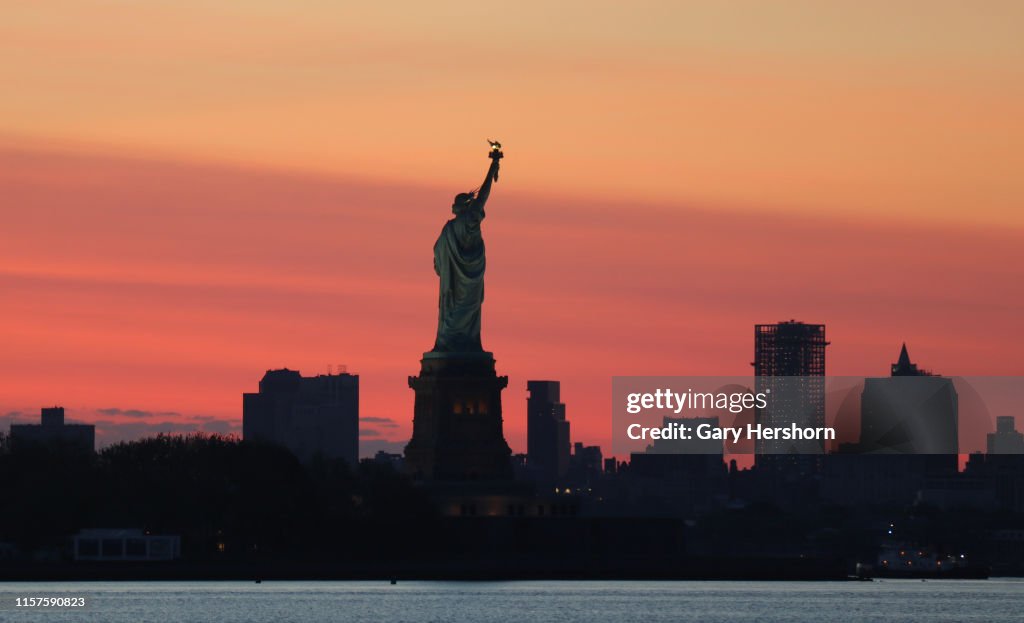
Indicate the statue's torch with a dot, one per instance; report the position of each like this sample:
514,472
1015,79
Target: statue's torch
495,154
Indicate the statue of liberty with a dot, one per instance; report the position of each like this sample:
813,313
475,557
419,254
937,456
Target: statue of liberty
459,261
457,423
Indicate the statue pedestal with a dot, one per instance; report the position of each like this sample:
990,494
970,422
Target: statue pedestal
457,426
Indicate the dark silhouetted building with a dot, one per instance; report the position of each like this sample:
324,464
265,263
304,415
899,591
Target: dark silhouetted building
53,431
547,431
587,457
308,415
911,412
678,475
857,480
905,367
1007,439
1005,472
585,464
908,431
393,459
693,456
610,465
789,365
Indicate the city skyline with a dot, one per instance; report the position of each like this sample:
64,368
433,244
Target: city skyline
228,304
183,214
903,367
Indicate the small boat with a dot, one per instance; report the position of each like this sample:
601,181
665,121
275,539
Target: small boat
901,559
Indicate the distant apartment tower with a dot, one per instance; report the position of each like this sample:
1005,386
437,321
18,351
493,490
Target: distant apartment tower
308,415
1007,439
547,431
54,432
586,460
911,412
789,365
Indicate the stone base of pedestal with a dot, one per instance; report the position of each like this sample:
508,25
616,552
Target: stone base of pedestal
457,426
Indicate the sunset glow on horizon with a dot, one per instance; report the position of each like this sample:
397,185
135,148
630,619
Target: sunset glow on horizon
193,195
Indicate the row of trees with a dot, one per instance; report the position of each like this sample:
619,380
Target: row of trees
225,497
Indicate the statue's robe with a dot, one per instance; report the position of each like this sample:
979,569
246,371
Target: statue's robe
459,262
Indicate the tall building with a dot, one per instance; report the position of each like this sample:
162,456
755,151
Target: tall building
789,365
1007,439
911,412
547,431
53,431
308,415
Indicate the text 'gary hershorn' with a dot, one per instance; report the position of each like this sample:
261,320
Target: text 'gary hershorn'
681,430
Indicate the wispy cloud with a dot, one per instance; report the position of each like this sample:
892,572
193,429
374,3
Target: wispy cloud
384,422
136,413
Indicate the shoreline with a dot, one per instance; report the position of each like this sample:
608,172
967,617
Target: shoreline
690,569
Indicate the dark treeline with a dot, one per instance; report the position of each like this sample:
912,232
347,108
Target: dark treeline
226,498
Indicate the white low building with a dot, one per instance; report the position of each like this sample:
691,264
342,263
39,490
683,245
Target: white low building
112,544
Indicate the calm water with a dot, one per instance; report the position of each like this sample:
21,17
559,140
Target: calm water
888,601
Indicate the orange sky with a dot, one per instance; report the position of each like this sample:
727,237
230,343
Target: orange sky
191,195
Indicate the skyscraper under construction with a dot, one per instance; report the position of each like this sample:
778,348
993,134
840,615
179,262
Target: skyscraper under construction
789,365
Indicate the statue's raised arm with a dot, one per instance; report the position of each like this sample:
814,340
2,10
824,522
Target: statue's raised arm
492,175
